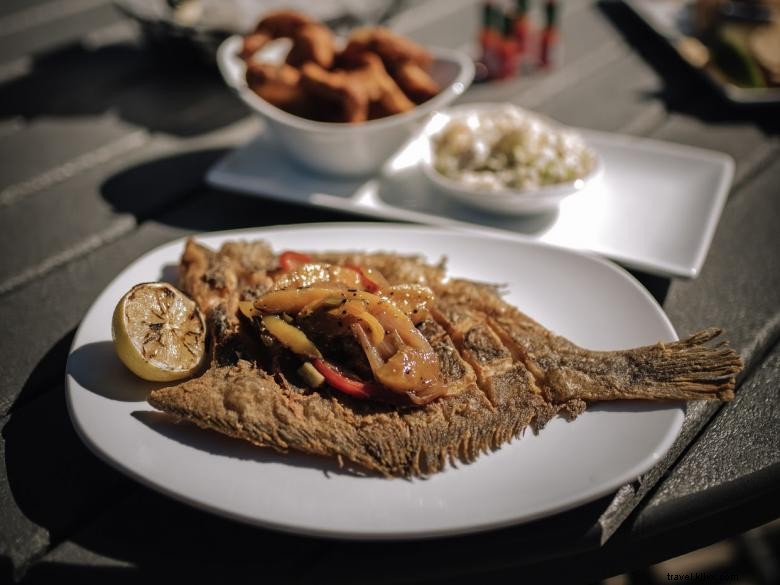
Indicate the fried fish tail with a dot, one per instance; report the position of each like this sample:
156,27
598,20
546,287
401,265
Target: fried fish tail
688,369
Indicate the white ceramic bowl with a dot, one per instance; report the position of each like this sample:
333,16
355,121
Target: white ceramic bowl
504,201
345,149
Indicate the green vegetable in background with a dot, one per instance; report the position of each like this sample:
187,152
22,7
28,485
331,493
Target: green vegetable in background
731,55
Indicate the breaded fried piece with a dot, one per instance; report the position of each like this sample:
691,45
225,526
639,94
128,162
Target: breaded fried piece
404,61
260,73
279,85
378,74
393,49
312,42
226,276
338,89
384,96
276,25
252,44
415,82
282,23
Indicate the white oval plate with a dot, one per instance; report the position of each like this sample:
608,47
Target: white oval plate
590,301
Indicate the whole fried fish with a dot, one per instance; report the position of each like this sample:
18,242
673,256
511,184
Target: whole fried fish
503,371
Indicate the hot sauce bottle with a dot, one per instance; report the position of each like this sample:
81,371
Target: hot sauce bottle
490,41
508,51
549,45
522,31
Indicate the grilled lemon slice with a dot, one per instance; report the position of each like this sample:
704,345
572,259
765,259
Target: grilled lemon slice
159,333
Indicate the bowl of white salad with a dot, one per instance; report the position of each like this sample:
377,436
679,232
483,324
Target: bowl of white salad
505,159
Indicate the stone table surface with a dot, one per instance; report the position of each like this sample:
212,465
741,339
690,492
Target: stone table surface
105,139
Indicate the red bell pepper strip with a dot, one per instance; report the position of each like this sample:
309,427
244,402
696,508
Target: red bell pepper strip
356,388
340,382
371,285
290,260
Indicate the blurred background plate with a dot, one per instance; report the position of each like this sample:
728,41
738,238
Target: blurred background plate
204,24
673,21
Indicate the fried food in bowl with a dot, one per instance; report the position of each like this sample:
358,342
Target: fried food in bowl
338,106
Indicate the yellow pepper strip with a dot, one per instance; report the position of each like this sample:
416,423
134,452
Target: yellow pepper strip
290,300
357,309
290,336
247,308
322,303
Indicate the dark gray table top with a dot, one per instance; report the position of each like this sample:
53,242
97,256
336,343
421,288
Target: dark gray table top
104,143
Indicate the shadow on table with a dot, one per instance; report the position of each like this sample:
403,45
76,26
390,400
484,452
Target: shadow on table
154,187
656,285
684,91
171,190
172,93
47,372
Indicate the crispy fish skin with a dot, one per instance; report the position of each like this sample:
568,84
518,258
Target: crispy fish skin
397,269
217,282
505,372
245,402
681,370
239,271
457,374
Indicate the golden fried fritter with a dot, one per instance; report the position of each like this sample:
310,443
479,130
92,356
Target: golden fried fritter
415,82
392,48
279,85
378,74
350,99
313,42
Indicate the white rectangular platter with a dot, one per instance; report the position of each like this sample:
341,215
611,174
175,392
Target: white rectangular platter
655,207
